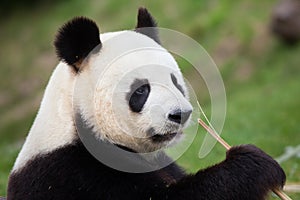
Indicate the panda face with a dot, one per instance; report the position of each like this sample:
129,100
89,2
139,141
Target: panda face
129,89
139,100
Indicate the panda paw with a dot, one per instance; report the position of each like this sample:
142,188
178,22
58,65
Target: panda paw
259,167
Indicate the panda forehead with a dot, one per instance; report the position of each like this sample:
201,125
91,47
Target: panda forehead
132,50
150,62
144,60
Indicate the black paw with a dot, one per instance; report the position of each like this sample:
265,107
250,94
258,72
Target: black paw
256,166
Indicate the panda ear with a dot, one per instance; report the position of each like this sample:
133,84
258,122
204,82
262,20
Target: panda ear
146,24
75,40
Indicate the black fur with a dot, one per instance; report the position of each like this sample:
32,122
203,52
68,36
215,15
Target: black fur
138,94
76,39
177,85
147,25
73,173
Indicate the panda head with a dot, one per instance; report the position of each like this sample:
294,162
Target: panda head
128,88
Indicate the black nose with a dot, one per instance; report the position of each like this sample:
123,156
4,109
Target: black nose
179,116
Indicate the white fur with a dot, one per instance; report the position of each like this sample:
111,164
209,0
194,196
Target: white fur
53,126
100,91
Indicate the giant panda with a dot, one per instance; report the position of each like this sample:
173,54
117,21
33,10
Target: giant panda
55,164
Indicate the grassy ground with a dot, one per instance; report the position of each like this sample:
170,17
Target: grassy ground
261,75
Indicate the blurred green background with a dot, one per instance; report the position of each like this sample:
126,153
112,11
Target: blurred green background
261,75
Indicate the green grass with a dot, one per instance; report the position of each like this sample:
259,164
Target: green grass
261,75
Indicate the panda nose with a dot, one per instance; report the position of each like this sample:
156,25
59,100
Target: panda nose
179,116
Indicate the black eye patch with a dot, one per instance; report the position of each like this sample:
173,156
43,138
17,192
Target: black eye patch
139,92
177,85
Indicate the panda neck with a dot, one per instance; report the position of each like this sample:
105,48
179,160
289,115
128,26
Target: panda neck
53,126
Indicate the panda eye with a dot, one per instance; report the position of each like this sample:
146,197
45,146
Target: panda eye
141,90
177,85
138,98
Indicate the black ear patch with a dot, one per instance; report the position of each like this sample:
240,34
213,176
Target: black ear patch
76,39
144,23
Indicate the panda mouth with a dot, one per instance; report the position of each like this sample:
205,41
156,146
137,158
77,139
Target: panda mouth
164,137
